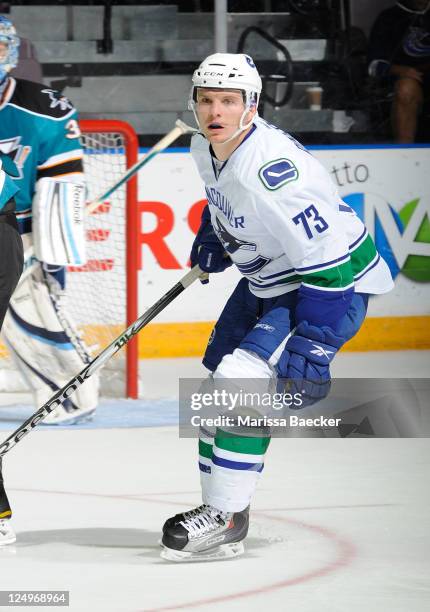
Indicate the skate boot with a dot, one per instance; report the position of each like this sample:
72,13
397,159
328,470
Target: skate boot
7,534
208,535
182,516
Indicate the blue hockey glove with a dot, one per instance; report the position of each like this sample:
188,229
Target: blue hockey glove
306,361
207,251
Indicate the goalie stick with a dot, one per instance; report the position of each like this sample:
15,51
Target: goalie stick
119,342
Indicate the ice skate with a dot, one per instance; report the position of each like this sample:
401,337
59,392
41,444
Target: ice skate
7,534
207,535
182,516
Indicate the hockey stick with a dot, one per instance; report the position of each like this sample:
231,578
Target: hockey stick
78,380
179,129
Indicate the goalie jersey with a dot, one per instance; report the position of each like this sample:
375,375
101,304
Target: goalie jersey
8,190
40,132
281,220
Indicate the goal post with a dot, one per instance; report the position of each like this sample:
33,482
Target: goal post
110,148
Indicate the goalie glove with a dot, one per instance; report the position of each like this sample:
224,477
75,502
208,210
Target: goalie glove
306,359
207,251
58,222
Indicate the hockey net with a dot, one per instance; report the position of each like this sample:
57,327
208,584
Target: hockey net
101,296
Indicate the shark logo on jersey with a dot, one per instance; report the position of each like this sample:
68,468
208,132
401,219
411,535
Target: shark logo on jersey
57,99
229,242
17,152
277,173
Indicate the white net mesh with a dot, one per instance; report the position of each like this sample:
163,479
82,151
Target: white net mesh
96,292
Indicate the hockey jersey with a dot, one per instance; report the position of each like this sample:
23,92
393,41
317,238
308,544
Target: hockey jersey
40,132
280,218
8,188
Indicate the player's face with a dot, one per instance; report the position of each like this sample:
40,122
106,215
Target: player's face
219,112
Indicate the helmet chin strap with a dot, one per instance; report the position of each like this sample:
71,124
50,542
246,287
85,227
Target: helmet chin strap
241,127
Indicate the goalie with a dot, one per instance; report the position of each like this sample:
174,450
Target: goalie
40,132
10,270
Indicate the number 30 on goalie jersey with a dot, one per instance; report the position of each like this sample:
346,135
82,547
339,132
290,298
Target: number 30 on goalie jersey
58,222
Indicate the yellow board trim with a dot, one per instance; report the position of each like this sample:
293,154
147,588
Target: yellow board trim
376,334
189,339
6,514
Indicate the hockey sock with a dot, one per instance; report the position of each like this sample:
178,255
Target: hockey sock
236,464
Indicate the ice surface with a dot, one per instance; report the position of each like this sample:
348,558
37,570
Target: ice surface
336,524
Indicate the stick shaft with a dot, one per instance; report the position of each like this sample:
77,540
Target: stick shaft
117,344
180,128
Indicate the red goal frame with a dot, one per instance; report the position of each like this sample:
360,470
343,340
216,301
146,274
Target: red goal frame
131,145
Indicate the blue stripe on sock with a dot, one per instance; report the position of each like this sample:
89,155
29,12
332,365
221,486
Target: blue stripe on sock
237,465
204,468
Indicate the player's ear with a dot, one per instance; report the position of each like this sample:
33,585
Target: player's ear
251,114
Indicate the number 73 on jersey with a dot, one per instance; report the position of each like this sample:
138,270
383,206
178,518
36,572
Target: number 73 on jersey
311,221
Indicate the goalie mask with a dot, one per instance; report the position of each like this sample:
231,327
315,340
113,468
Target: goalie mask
228,71
9,47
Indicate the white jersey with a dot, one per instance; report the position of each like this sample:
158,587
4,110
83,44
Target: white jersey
280,218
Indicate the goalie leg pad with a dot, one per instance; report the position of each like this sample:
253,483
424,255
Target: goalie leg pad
47,347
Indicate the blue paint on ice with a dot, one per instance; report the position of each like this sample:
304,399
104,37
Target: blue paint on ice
111,413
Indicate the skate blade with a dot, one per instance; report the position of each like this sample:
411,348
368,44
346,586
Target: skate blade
225,551
7,541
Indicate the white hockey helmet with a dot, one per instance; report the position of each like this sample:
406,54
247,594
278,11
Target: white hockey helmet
228,71
8,36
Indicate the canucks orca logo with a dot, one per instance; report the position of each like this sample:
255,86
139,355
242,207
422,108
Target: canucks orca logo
18,153
233,244
229,242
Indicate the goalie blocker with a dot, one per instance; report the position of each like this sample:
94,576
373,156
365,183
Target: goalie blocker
58,222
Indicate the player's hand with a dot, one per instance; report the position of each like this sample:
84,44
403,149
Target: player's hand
305,362
207,251
407,72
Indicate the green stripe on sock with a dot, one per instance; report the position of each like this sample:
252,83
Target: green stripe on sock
241,444
205,450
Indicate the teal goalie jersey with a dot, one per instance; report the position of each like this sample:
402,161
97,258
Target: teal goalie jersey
40,133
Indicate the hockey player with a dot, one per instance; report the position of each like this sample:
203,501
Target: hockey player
308,264
40,132
11,261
